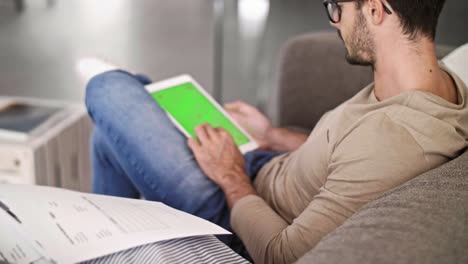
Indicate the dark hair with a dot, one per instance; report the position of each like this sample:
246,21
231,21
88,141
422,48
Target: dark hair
416,16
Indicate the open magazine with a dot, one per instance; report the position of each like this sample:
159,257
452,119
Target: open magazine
51,225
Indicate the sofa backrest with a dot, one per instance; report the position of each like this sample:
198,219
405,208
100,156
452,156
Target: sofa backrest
313,72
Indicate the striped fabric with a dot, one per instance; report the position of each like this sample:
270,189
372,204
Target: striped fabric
199,250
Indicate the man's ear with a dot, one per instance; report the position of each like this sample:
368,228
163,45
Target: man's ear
375,11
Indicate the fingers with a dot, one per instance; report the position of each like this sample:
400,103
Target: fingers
237,116
206,133
223,133
194,145
220,131
201,133
211,142
238,106
233,104
212,133
237,110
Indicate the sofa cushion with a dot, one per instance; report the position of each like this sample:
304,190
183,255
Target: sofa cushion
422,221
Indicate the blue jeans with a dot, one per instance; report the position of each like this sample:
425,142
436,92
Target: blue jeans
137,151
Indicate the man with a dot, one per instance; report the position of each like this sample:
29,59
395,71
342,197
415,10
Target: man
412,119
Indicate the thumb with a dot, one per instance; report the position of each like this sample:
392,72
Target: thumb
236,105
237,116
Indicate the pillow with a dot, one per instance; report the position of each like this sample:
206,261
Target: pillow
457,61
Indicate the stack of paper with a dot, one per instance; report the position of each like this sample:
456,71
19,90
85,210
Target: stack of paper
47,225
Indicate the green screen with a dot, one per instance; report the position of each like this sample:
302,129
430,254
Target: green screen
190,108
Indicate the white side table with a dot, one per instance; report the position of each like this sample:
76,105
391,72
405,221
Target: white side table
54,154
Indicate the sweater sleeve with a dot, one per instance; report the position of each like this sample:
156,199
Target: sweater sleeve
375,156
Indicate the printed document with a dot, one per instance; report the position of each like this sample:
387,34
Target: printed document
56,225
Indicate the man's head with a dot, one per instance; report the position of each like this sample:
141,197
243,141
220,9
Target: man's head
363,24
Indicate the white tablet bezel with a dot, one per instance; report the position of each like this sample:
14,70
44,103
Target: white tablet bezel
181,79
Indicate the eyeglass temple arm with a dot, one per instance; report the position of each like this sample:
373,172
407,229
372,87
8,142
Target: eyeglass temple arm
388,11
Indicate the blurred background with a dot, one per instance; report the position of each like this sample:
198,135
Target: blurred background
231,47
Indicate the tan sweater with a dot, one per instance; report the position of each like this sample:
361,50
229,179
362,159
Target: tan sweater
355,153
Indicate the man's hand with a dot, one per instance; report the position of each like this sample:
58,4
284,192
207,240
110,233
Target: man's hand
261,129
254,122
220,159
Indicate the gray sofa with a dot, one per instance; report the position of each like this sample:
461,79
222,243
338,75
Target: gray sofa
422,221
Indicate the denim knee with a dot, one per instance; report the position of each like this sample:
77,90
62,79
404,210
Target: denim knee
107,88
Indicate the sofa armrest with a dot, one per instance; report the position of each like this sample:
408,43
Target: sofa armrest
421,221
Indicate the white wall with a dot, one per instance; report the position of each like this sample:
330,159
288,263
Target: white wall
41,46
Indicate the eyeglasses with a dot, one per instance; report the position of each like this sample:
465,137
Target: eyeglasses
334,10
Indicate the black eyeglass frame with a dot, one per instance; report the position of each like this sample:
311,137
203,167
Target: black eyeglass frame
338,7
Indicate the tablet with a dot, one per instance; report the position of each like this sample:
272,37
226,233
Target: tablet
189,105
